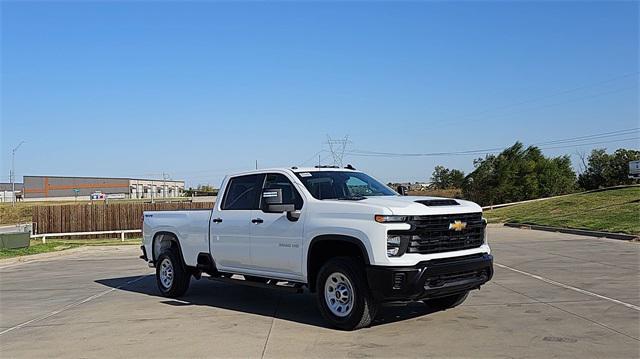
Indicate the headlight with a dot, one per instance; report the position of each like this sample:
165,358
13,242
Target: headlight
389,219
397,244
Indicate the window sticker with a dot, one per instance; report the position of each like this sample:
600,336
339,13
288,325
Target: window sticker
305,174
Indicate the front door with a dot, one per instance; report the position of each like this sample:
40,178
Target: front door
276,244
231,225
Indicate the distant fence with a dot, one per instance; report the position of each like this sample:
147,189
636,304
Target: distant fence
100,217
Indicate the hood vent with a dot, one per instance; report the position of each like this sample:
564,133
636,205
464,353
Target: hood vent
439,202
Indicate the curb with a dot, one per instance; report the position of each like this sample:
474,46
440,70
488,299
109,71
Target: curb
502,205
581,232
13,261
39,256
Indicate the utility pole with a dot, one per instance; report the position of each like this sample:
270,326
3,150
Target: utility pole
337,148
165,176
13,172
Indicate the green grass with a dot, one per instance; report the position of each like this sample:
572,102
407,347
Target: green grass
615,210
59,245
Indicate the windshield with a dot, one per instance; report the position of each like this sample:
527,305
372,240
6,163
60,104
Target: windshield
342,185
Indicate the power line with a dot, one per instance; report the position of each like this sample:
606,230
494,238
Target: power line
498,149
529,109
592,143
543,97
312,158
590,137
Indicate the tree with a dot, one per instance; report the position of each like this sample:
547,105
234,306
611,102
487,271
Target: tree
606,170
444,178
201,190
517,174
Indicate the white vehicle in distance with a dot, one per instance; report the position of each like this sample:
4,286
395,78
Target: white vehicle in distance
98,196
338,232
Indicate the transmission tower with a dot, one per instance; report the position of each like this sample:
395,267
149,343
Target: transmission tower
337,148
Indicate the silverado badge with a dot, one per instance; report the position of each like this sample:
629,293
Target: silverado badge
458,226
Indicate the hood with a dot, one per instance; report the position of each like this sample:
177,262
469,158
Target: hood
409,205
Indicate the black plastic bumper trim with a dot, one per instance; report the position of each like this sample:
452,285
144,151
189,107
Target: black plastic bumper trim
430,279
144,254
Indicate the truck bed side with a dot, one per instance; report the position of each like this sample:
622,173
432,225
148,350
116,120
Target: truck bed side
190,227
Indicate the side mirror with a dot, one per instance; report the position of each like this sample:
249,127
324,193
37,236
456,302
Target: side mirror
402,190
272,201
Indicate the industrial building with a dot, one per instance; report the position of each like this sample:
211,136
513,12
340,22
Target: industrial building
7,193
61,188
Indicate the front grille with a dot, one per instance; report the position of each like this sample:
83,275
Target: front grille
431,234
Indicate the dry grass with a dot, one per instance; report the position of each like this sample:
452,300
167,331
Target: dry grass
21,212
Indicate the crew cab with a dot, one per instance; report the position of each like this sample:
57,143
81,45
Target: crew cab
338,232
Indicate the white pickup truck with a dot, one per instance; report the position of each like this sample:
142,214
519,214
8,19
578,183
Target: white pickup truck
340,233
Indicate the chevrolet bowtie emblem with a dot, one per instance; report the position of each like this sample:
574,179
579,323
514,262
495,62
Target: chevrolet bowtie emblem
458,226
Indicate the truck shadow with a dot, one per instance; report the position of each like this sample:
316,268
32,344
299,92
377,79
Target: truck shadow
299,308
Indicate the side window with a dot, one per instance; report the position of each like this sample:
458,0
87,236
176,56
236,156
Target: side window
289,193
242,193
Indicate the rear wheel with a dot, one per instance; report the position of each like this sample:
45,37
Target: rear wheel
447,302
343,295
171,276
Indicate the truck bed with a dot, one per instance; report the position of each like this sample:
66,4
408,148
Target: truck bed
191,226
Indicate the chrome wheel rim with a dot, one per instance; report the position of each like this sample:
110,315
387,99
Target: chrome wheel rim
339,294
166,273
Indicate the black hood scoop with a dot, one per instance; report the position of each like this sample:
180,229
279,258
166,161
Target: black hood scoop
439,202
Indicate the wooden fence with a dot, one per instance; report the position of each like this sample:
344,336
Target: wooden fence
100,217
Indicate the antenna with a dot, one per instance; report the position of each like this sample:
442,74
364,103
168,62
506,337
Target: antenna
337,148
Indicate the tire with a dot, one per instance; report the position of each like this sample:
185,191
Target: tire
447,302
343,294
171,277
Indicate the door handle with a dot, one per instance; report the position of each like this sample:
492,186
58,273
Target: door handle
217,220
257,220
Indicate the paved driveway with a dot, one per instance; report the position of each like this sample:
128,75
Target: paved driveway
553,295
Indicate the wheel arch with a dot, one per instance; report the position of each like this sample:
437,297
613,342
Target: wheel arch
326,246
165,239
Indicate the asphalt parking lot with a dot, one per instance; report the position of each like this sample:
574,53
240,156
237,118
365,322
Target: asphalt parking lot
553,295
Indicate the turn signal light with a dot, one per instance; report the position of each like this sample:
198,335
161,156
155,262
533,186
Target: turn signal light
389,219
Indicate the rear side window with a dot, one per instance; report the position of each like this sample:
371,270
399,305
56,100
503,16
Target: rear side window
289,193
243,193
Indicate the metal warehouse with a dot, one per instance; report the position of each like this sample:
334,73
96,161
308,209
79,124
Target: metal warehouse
58,187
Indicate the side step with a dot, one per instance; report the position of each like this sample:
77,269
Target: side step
295,288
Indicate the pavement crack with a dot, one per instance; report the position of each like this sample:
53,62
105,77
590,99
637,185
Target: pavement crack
568,312
566,286
273,320
72,305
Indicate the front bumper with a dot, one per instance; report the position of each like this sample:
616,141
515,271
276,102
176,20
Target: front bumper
430,279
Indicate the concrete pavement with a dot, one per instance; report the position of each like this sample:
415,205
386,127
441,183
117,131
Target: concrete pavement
553,295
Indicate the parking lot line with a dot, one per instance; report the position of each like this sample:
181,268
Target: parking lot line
69,306
579,290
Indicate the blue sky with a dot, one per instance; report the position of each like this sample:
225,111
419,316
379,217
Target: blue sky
200,89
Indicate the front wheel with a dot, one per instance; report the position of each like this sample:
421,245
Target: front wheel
447,302
343,295
171,276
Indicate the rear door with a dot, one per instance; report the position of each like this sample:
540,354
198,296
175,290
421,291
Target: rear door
276,244
231,223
